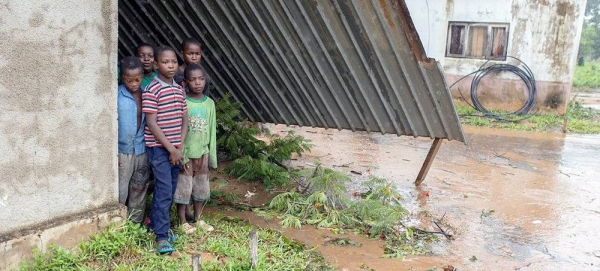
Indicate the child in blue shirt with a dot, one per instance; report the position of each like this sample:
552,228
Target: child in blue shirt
134,171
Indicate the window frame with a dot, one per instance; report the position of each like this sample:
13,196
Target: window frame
449,39
466,42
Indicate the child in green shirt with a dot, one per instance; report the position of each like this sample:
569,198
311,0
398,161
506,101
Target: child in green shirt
199,149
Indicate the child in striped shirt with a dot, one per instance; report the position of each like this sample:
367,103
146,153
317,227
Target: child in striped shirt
163,102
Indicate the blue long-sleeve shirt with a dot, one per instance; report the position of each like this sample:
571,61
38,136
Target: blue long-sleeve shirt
131,139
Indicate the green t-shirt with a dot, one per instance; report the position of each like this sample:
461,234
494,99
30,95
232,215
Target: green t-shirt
202,131
146,79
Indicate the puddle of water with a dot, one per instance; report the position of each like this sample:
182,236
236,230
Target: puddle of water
541,187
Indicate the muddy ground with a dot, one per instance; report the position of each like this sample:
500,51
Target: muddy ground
543,190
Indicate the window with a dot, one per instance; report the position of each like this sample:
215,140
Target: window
477,40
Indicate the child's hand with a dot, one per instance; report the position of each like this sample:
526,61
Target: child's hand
175,157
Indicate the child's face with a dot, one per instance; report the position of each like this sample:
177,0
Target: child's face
167,64
192,53
132,79
196,81
146,55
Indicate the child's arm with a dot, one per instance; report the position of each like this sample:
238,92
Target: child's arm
184,125
175,155
212,145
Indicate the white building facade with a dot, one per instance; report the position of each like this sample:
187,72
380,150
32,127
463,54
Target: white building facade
464,34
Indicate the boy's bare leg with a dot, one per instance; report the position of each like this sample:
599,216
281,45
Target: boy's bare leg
198,205
181,213
188,212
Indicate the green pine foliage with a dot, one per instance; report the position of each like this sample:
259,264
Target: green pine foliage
235,136
254,159
327,205
282,148
377,212
250,168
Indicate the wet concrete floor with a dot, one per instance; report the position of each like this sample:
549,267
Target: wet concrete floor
543,189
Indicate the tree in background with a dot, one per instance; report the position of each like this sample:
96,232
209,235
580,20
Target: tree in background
589,48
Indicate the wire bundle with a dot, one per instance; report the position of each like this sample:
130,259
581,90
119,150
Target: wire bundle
524,73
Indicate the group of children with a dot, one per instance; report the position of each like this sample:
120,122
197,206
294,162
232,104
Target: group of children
167,124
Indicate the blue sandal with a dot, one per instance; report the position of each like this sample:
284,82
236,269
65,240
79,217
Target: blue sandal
165,248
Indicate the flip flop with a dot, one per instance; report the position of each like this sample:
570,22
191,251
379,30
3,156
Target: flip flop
165,248
187,228
204,226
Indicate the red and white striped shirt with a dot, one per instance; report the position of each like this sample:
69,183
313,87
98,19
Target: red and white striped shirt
168,103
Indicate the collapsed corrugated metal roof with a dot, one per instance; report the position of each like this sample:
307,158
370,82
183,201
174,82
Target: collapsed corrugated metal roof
355,65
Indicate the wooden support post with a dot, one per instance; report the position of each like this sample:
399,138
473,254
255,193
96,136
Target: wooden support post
253,249
196,262
437,142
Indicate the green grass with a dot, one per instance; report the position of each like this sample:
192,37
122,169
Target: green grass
131,247
587,76
581,120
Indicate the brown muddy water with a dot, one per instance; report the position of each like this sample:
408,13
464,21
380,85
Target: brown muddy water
544,190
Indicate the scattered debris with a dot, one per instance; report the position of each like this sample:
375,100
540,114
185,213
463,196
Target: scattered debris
564,173
344,165
473,258
356,172
486,213
249,194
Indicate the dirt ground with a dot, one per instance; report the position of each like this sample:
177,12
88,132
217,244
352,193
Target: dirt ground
541,187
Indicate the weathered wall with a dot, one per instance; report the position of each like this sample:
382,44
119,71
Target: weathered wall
58,118
543,33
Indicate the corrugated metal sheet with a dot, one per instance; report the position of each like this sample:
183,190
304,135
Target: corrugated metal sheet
351,64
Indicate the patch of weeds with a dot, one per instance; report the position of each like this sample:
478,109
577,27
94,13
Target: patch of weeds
131,247
56,258
275,251
581,120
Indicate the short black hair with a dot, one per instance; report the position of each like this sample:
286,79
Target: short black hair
190,41
160,49
197,67
143,44
131,63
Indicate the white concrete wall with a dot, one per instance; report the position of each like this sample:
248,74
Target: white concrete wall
58,110
543,33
